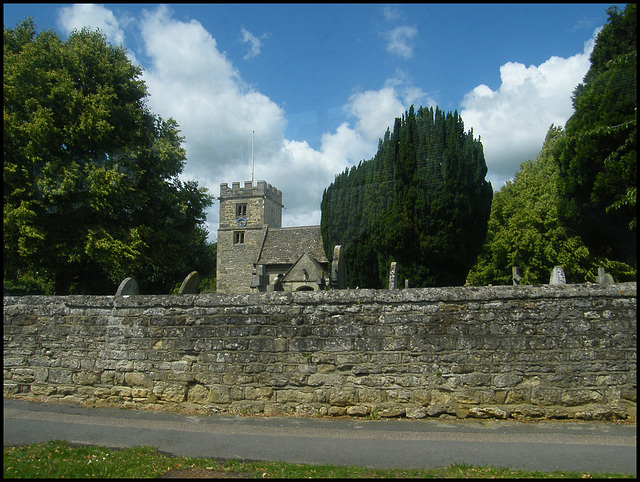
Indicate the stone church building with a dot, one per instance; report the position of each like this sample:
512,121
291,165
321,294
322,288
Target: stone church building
256,254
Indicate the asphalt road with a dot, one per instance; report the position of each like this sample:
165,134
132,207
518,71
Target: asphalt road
545,446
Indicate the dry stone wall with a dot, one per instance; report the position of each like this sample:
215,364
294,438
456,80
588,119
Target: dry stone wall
562,351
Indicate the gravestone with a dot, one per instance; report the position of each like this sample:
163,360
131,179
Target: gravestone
338,269
259,278
557,276
277,283
128,287
515,276
393,276
190,285
604,278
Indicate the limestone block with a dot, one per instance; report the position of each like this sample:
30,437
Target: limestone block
218,394
440,409
572,398
337,411
120,391
416,412
392,411
10,388
258,393
60,375
600,412
197,394
342,397
86,378
544,396
487,412
526,411
358,411
138,393
23,375
170,392
137,379
296,396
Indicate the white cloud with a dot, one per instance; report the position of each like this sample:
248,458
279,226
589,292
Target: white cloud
255,43
391,13
191,80
217,113
93,16
399,40
374,109
513,120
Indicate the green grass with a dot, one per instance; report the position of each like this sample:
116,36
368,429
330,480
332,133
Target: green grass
59,459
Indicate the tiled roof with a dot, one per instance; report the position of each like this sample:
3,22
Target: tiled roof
286,245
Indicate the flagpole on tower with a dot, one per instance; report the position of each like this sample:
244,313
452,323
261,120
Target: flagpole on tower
252,159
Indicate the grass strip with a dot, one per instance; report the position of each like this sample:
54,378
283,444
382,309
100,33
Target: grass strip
59,459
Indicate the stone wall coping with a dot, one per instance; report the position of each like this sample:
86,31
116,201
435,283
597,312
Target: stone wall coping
335,297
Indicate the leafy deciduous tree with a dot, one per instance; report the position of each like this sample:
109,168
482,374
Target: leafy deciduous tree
525,230
91,188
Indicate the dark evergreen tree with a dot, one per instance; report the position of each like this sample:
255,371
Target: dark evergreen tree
597,156
422,201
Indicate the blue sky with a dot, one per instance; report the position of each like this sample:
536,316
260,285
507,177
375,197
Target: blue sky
320,84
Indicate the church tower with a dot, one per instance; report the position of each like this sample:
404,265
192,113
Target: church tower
245,214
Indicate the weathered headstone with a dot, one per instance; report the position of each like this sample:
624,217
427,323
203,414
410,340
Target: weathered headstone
557,276
128,287
514,274
190,285
277,283
338,269
393,276
604,278
259,278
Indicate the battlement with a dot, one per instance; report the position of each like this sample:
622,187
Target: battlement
249,190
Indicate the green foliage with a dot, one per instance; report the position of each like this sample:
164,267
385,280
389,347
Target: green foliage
525,231
597,157
575,205
422,201
91,188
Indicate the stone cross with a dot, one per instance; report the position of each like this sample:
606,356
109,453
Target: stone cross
393,276
129,286
557,276
190,285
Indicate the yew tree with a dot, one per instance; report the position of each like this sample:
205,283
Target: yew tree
597,156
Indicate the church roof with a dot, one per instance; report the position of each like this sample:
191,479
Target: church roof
286,245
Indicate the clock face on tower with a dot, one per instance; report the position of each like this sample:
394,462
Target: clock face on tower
241,222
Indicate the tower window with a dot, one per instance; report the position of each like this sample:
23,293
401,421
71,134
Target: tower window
241,209
238,237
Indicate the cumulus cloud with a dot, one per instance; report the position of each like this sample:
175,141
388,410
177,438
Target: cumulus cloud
513,120
190,79
391,13
399,40
255,43
93,16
